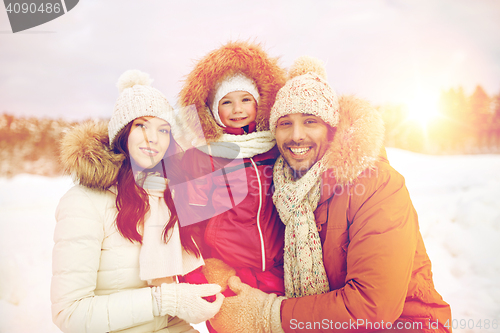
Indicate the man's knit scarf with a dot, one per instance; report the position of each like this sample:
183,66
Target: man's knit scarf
296,201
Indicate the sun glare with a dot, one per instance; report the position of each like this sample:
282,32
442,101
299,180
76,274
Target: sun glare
423,109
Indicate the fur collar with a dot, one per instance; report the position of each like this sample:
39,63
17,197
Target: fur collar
358,140
231,58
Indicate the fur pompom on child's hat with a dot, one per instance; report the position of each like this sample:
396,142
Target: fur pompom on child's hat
138,99
306,91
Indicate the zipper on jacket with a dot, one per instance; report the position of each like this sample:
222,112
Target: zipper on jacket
262,247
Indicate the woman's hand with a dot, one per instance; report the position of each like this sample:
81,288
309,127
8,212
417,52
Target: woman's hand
186,301
158,282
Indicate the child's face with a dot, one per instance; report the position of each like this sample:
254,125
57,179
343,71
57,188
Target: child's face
237,109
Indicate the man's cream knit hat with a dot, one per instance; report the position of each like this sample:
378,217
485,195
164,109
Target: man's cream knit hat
138,99
306,92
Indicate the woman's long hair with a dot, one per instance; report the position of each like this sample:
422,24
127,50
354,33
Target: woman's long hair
132,201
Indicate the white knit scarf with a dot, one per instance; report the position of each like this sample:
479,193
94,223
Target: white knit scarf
157,259
296,201
240,146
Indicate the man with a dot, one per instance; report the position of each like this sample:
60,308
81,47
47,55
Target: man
354,256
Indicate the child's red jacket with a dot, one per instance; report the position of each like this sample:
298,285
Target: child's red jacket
243,228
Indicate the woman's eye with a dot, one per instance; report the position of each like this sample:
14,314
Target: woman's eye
140,125
284,123
310,121
166,131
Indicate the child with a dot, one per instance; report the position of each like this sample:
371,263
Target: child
233,89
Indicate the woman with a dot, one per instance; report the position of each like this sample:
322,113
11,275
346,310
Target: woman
118,247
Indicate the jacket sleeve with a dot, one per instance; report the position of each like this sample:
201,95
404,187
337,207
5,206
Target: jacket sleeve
76,257
383,231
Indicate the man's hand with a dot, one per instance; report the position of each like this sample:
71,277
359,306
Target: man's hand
251,310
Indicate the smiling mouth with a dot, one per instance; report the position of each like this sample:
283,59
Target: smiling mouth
149,150
299,151
238,119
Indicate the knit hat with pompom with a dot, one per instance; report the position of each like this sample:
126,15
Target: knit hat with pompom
138,99
306,91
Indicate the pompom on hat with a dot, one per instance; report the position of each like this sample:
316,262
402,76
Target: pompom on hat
236,82
306,91
138,99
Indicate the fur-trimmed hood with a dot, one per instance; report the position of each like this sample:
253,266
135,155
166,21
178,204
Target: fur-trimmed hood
87,157
234,57
358,141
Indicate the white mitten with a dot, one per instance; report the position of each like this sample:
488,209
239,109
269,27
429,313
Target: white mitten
186,301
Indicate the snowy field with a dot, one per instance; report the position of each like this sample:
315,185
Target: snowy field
457,199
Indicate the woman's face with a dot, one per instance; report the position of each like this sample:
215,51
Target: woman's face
148,141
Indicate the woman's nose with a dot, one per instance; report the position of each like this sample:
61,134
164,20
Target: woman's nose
151,136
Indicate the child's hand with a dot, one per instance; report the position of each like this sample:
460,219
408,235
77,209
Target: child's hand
196,277
215,271
218,272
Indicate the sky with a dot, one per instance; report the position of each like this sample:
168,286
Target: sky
387,51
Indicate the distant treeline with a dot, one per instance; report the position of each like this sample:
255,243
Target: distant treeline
465,125
30,145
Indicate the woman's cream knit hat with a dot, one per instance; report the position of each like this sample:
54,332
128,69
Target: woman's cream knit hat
306,92
138,99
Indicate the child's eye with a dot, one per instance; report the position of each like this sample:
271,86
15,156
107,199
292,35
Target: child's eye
226,102
246,99
284,123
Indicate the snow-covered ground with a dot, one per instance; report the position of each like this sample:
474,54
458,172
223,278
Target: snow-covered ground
457,199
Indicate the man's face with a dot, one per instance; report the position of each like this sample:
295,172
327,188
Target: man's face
302,140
